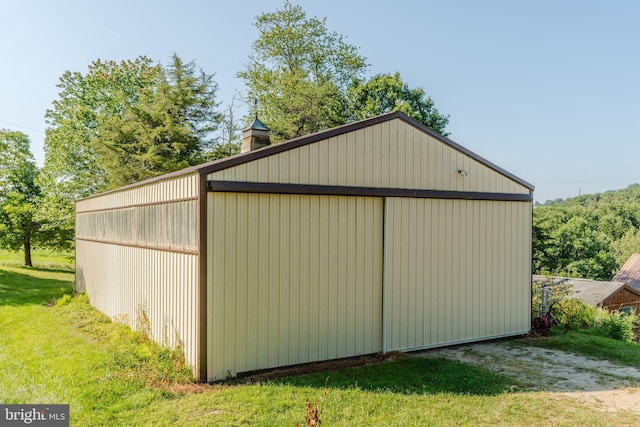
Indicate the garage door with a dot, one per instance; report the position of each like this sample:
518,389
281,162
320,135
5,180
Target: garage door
292,279
457,271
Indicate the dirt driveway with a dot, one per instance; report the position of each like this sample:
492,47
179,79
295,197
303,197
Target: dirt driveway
596,383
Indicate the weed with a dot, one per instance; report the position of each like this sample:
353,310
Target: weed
64,300
313,411
312,414
168,362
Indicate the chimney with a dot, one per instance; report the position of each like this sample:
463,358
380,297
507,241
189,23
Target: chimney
255,136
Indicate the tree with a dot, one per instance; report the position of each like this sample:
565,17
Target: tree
626,246
18,194
168,127
228,142
120,123
300,71
307,78
588,236
384,93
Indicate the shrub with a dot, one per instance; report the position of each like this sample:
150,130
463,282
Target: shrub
581,315
618,326
615,325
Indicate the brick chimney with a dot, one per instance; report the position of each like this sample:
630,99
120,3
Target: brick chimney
255,136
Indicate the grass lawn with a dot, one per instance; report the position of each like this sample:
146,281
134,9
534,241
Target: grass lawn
41,258
66,352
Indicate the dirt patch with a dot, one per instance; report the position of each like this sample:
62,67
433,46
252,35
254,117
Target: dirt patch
597,383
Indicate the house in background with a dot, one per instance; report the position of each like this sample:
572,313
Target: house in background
375,236
612,296
629,273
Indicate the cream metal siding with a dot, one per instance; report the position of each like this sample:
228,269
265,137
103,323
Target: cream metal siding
292,279
392,154
258,280
456,271
137,249
170,189
123,280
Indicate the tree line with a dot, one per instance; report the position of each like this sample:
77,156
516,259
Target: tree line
123,122
589,236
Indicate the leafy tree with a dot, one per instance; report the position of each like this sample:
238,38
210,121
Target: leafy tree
588,236
300,72
167,128
308,78
18,194
120,123
384,93
626,246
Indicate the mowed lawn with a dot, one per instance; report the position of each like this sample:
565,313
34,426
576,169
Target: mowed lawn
57,349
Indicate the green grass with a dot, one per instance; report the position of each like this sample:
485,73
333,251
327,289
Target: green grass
41,258
586,344
69,353
411,375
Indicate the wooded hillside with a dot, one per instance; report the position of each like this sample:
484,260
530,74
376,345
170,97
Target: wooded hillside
588,236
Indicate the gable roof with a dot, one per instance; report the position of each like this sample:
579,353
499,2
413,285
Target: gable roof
629,273
350,127
592,292
229,162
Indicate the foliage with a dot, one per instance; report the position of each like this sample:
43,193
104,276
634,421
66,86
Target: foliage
581,314
617,326
228,142
598,321
165,128
307,78
299,71
547,292
19,195
589,236
119,123
385,93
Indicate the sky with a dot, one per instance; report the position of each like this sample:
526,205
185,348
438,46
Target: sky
548,90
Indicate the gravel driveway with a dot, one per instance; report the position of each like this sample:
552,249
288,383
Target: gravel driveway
595,382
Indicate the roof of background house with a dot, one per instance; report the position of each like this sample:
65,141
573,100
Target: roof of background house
592,292
629,273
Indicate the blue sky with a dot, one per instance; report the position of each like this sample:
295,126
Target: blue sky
549,90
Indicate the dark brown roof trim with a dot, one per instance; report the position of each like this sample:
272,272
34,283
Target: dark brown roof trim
350,127
338,190
228,162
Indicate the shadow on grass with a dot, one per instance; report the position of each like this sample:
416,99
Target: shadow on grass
25,289
410,375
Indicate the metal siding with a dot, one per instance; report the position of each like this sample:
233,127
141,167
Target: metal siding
293,279
401,156
457,271
181,187
121,280
136,248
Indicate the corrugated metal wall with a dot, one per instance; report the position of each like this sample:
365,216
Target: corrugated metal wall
392,154
301,278
292,279
456,271
136,249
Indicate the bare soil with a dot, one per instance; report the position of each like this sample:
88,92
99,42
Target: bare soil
596,383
